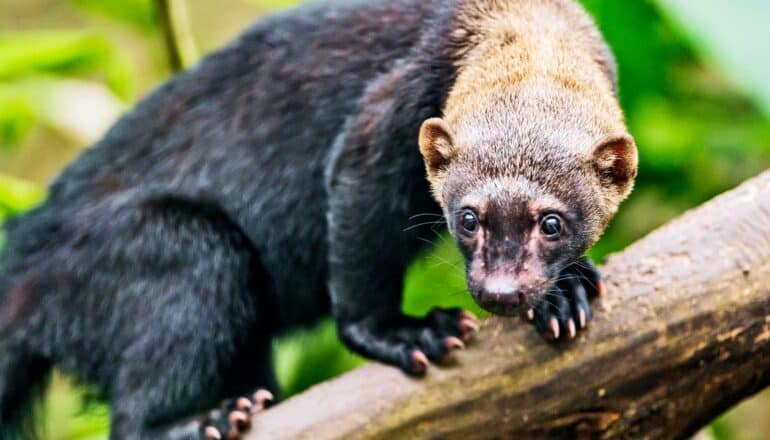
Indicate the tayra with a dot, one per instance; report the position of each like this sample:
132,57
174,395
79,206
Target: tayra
277,181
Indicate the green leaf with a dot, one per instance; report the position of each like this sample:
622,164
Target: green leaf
17,117
59,104
17,195
66,53
25,53
139,13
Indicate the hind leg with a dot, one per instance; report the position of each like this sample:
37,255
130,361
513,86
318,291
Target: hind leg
177,310
233,416
162,405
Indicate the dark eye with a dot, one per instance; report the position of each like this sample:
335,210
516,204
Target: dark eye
469,222
550,226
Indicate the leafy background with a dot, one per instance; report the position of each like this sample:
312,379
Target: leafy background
693,83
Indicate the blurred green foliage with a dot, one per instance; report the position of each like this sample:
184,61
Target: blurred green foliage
17,195
32,61
64,52
693,84
731,36
138,13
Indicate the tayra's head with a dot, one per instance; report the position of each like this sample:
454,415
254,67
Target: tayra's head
531,157
525,193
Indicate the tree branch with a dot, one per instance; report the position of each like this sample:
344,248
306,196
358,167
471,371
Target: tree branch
683,335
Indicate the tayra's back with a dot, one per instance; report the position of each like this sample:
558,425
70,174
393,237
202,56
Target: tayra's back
167,255
255,114
248,130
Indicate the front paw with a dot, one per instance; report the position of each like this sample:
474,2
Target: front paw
565,309
410,343
233,417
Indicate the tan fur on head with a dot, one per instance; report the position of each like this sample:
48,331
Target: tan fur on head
501,42
513,43
534,97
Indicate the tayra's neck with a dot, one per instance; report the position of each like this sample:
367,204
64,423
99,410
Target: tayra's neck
515,46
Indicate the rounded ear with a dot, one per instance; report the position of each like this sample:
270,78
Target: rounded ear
615,160
436,145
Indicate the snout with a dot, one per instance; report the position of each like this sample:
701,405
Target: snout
499,294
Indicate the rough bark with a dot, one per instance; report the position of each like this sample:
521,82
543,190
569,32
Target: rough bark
683,334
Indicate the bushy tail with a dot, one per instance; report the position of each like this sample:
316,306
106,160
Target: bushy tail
23,380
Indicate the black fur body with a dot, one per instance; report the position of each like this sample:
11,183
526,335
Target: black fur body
167,255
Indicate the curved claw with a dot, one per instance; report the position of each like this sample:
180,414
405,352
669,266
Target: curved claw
453,343
553,325
467,325
582,317
262,397
601,289
238,419
244,404
212,433
421,361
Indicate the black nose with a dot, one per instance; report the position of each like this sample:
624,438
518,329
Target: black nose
499,303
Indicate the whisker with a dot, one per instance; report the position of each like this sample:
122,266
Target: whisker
424,214
445,261
422,224
432,243
452,266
